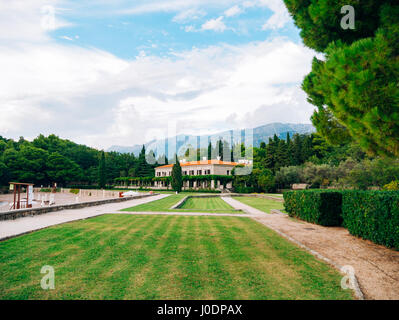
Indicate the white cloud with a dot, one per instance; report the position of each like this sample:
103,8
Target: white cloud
215,25
233,11
93,97
189,15
280,15
29,20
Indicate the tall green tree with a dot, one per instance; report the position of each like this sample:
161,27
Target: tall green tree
102,171
177,177
355,87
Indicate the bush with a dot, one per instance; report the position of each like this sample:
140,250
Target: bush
74,191
372,215
242,189
393,186
320,207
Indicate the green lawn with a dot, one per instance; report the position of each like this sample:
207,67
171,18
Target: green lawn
211,205
262,204
207,204
164,257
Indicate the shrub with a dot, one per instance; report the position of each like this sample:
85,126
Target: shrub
243,189
320,207
74,191
393,186
372,215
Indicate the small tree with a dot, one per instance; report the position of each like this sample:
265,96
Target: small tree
101,171
177,178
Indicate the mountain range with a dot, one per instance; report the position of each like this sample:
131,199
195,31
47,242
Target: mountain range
182,142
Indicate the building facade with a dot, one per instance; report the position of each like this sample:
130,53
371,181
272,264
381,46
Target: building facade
198,168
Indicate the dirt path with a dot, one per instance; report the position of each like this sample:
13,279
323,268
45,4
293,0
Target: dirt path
376,267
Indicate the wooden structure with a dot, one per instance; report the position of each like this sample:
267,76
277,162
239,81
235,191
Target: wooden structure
18,202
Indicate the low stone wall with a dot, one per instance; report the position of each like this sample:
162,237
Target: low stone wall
15,214
180,203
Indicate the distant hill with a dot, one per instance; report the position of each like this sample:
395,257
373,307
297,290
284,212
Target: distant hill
262,133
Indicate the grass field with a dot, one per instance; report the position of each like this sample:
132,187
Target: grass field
164,257
207,204
262,204
211,205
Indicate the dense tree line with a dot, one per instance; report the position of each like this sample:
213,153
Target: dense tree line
312,160
50,159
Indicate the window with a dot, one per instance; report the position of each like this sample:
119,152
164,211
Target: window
199,172
185,173
228,172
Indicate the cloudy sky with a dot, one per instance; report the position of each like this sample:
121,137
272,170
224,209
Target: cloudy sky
109,72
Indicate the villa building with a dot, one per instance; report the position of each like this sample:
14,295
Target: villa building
198,168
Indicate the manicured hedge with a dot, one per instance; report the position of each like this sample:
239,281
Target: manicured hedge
372,215
320,207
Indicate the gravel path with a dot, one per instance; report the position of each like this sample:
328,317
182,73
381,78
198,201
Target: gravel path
376,267
12,228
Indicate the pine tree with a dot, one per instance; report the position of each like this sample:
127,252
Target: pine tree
101,171
177,178
210,151
290,150
144,169
282,159
270,154
297,150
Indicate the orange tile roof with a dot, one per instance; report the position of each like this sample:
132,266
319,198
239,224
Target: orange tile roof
199,163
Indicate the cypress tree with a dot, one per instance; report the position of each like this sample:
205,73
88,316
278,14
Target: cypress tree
210,151
177,178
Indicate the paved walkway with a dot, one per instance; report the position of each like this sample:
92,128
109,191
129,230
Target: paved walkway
241,206
376,267
12,228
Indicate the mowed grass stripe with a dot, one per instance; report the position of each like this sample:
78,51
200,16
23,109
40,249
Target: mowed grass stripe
262,204
140,256
208,205
293,269
153,284
166,257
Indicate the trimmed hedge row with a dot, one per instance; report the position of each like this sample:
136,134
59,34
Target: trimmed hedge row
372,215
320,207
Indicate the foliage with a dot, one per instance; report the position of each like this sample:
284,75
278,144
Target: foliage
102,171
50,159
320,207
392,186
372,215
177,179
355,86
74,191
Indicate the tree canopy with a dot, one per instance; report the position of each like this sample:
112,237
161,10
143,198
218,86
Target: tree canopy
355,87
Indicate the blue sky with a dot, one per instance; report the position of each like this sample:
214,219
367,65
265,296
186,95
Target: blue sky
124,72
160,33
